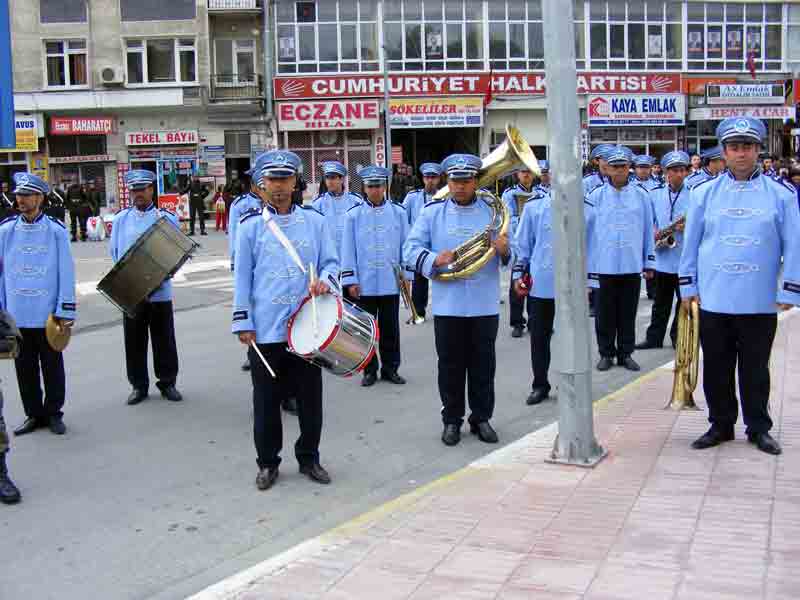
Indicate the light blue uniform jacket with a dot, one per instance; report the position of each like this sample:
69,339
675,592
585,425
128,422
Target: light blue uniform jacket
334,209
511,204
736,234
38,275
698,177
239,207
668,207
591,181
414,202
649,184
534,248
268,284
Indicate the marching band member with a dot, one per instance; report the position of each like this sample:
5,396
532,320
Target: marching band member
268,286
643,170
154,318
670,202
597,158
516,303
658,174
713,165
38,280
334,203
621,225
767,166
413,202
738,228
544,180
466,315
374,232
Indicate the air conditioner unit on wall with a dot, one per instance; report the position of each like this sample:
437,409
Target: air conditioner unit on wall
112,75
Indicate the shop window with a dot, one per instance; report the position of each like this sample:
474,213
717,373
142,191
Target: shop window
157,10
62,11
234,62
160,61
66,63
237,143
76,145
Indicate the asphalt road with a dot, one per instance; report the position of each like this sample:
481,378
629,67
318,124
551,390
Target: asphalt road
159,501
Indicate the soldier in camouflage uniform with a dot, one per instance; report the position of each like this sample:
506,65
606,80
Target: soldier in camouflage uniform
9,494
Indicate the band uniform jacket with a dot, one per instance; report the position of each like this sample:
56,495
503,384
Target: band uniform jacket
242,204
414,202
334,209
668,207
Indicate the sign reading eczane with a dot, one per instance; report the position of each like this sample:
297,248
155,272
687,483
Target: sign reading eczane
342,114
621,111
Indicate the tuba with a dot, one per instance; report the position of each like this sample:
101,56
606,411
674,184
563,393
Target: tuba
474,253
687,358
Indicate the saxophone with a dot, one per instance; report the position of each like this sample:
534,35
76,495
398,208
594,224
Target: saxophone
665,238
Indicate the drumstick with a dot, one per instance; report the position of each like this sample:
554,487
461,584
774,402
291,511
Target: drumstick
313,275
263,360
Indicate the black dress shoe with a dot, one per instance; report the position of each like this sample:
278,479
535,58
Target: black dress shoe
628,363
266,478
451,435
315,472
56,425
9,493
171,394
516,332
393,377
246,365
289,405
29,425
136,396
203,233
712,437
647,345
369,379
484,431
604,364
765,442
537,396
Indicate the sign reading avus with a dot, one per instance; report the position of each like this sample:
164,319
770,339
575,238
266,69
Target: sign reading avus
621,111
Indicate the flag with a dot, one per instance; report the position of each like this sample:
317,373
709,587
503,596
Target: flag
751,63
488,96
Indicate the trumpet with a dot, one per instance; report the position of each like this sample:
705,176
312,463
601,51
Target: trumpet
665,238
408,302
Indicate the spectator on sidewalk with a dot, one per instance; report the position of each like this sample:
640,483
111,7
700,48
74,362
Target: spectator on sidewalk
219,210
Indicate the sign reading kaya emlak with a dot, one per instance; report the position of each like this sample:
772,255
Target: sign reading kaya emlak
160,138
342,114
656,109
436,112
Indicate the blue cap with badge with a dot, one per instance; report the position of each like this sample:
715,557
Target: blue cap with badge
676,158
138,179
333,167
28,184
461,166
279,164
619,155
601,151
741,129
374,175
643,160
430,169
711,153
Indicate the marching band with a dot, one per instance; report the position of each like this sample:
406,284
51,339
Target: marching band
724,236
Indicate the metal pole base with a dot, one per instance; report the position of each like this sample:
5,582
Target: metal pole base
570,456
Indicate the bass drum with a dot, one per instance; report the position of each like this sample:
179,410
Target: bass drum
345,338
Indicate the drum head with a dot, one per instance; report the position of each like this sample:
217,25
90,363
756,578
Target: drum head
302,337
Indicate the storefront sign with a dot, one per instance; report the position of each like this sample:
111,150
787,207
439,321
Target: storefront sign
436,112
667,109
468,84
160,138
212,153
345,114
27,130
745,93
81,125
380,150
122,188
397,155
718,113
696,86
63,160
38,165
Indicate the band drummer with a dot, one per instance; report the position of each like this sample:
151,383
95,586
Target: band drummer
269,285
739,226
154,320
38,280
372,246
466,310
414,202
670,203
337,200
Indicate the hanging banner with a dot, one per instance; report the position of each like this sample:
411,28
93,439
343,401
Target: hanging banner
621,111
436,112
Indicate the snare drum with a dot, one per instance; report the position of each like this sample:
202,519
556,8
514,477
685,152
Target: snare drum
345,338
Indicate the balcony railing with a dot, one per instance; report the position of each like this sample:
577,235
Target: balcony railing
226,87
234,5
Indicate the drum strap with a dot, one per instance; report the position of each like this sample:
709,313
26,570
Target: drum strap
285,242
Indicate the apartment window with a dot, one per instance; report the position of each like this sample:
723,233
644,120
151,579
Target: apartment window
793,37
728,36
161,61
62,11
66,63
235,62
635,35
437,35
157,10
327,36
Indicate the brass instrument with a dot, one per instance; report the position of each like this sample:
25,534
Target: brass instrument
58,333
521,199
665,238
474,253
408,302
687,358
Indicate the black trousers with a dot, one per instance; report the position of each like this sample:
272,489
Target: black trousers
667,291
745,340
650,284
542,313
386,309
267,396
197,210
516,307
4,443
465,347
617,302
419,294
154,319
37,356
73,223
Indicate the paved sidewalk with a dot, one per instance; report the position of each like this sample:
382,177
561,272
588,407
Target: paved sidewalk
655,520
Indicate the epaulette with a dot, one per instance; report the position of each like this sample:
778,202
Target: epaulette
250,213
309,207
702,183
398,204
782,183
658,187
598,186
434,202
357,195
8,219
641,187
53,219
587,203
